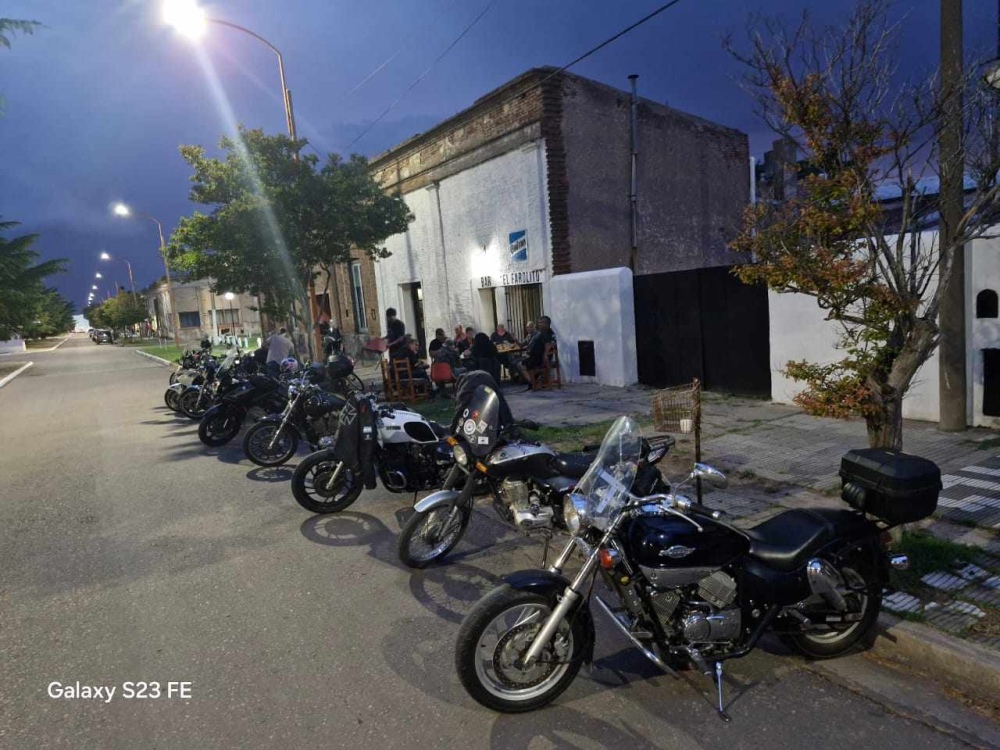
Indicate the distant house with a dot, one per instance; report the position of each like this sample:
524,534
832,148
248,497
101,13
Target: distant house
201,313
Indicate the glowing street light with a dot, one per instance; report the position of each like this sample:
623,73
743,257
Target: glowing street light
105,256
120,209
94,287
186,17
98,275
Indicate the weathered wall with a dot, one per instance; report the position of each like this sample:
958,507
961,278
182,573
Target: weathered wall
693,182
609,324
460,237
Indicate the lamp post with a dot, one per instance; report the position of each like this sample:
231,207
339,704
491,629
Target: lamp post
124,211
105,256
190,20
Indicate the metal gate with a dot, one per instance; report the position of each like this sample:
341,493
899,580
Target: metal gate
703,324
524,303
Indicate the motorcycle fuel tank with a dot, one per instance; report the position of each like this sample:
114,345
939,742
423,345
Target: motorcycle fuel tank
405,427
671,551
522,459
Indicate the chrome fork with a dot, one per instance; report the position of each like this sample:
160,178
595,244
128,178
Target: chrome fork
284,420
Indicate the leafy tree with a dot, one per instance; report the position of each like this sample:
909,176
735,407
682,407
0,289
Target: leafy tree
275,215
877,268
118,313
22,286
52,315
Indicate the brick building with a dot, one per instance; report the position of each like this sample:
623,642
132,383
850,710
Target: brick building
346,293
532,183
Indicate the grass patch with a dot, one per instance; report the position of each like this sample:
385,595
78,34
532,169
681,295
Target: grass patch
911,616
173,353
989,444
42,343
928,554
440,410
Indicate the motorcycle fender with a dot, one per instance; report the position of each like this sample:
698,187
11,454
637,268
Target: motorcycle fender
437,500
193,388
551,586
178,388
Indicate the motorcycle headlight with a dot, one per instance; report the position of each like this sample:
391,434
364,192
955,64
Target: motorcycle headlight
461,457
575,512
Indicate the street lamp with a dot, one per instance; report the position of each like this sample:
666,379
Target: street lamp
104,255
191,21
94,287
98,275
120,209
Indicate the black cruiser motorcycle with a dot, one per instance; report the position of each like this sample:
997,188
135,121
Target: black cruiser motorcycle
528,481
686,588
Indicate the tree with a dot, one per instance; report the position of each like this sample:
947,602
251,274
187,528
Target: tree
52,315
22,287
876,267
118,313
275,215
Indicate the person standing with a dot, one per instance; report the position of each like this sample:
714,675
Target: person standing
536,348
279,347
395,332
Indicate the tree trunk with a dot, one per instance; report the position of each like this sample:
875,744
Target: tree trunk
885,427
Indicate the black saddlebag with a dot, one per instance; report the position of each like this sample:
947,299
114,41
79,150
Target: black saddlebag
892,486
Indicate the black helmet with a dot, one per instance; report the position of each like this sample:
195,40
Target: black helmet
339,366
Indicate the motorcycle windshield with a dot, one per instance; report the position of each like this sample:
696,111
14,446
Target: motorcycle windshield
228,361
479,423
607,483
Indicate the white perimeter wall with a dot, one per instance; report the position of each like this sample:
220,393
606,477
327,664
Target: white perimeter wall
595,306
798,331
460,234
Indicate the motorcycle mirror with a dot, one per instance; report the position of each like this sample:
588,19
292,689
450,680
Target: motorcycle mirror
713,476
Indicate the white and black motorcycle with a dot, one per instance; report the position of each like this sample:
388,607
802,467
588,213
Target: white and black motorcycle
373,440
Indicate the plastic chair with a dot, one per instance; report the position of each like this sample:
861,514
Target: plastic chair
442,374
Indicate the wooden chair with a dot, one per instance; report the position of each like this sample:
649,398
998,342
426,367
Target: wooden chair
389,387
549,375
408,389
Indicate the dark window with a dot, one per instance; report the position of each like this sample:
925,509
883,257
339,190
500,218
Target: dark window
986,304
189,319
358,297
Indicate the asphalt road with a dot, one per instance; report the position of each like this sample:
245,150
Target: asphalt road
129,552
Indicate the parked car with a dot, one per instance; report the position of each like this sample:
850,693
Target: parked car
102,336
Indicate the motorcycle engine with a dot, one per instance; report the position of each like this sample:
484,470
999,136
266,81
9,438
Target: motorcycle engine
703,612
525,506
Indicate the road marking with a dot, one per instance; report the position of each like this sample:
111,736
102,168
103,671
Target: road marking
14,374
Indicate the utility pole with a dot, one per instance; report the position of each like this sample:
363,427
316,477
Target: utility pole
951,357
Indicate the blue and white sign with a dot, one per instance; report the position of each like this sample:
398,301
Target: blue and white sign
518,246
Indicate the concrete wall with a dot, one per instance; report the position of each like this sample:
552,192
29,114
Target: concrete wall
197,297
13,346
595,306
799,331
693,182
458,242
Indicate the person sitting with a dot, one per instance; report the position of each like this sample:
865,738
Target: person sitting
484,356
409,351
502,336
529,332
437,344
462,342
536,349
442,350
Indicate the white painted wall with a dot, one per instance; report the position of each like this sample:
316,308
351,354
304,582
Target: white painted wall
460,234
595,306
13,346
799,331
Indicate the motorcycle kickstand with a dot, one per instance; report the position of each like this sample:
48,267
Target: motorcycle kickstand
718,681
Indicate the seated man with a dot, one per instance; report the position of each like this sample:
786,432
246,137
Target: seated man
408,351
499,338
536,348
437,344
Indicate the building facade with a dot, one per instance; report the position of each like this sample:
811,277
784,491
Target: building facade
533,182
202,313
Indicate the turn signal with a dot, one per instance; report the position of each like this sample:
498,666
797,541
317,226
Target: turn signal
608,558
451,441
481,467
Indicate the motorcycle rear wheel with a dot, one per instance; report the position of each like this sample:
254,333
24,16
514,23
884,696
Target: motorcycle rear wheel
219,428
497,633
256,444
310,485
430,535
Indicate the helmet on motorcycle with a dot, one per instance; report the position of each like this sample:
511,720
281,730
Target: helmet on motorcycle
289,365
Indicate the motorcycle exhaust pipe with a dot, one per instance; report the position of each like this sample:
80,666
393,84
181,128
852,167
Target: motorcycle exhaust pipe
395,480
826,582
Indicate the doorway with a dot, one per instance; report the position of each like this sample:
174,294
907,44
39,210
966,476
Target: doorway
524,304
413,307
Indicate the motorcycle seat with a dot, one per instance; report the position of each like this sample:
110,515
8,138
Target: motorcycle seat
572,464
786,541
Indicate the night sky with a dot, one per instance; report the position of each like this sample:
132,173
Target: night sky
99,100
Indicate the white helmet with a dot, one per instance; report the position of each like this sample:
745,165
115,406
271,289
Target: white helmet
289,365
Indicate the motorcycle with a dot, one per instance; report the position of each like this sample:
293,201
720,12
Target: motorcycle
400,447
253,398
528,481
687,588
314,403
184,379
218,378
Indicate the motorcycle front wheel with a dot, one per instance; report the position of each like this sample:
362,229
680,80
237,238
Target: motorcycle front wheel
194,404
170,398
430,535
319,488
257,444
219,427
493,640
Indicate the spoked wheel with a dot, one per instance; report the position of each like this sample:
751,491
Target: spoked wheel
264,449
493,640
194,404
321,484
171,398
837,639
430,535
219,427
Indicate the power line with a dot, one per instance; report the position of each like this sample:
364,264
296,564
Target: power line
423,75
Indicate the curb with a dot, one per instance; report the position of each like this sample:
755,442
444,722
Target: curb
50,349
964,666
158,360
14,374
